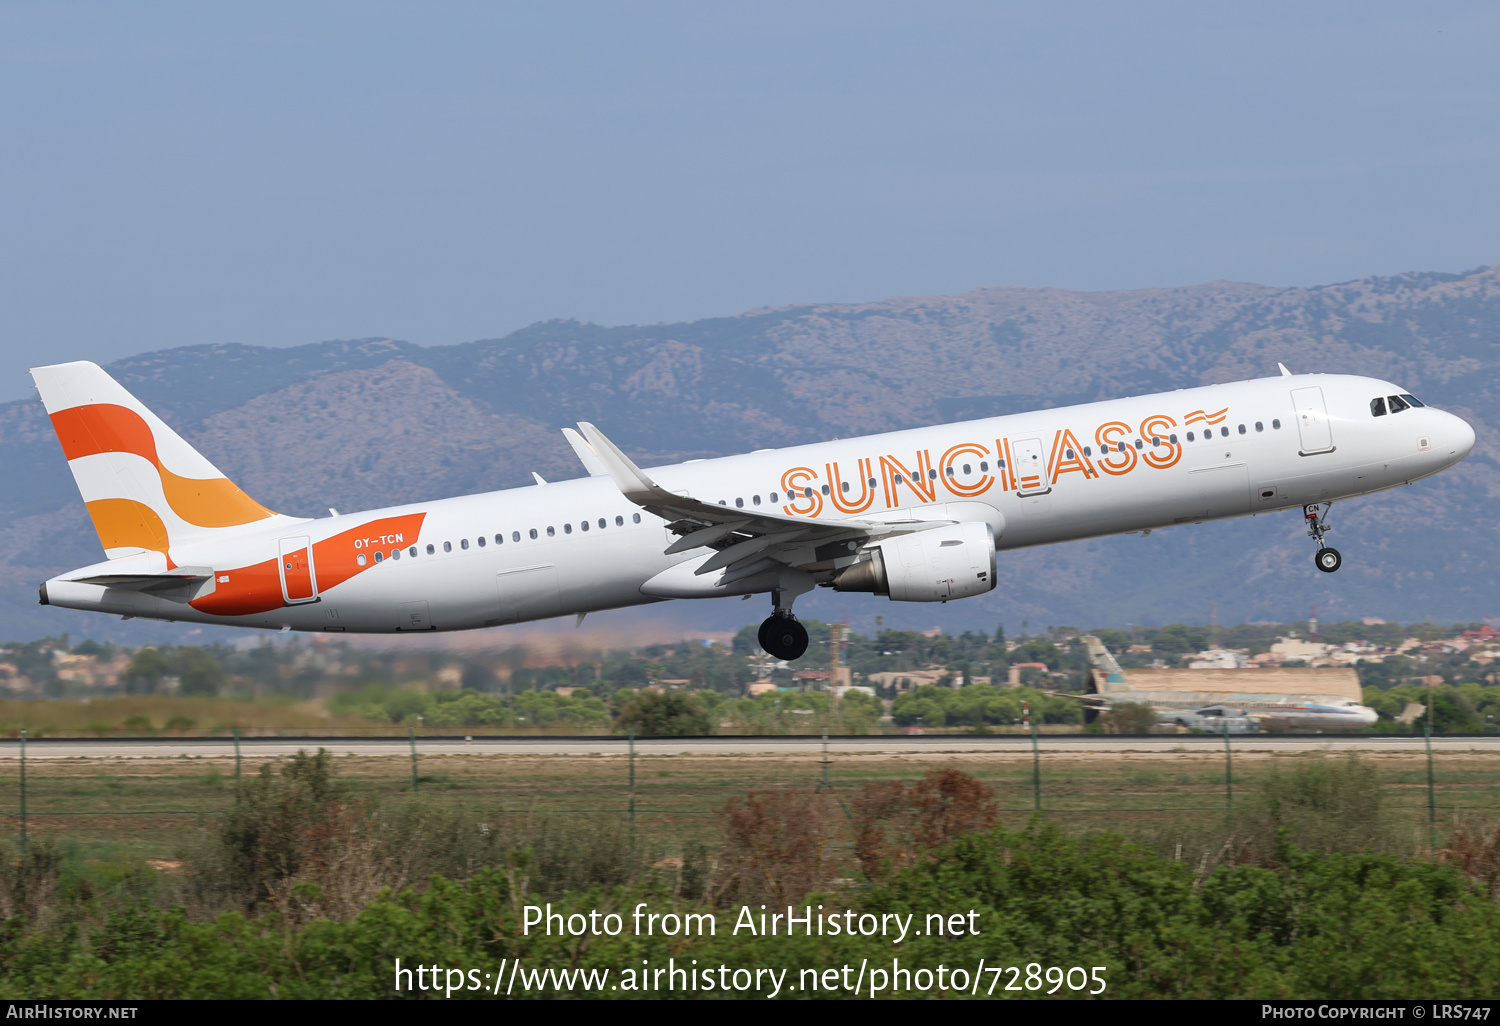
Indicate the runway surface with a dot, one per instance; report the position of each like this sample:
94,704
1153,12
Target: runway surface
276,747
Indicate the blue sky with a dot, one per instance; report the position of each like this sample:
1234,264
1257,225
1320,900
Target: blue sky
274,174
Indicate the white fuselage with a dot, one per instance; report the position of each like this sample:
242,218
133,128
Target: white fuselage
1037,478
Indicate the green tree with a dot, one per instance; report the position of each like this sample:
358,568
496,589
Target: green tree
143,675
664,714
199,672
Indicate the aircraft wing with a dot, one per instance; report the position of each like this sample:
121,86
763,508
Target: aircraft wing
748,542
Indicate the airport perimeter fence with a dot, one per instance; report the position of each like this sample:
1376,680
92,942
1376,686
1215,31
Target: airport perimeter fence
132,801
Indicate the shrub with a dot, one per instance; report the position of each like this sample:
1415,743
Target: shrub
1129,718
1475,850
672,714
274,822
776,844
896,823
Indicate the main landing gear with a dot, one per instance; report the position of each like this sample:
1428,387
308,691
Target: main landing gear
1327,559
781,634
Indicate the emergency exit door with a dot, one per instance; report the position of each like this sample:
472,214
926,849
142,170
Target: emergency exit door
297,581
1312,420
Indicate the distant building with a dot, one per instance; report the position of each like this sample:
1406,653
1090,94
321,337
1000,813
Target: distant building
1339,681
1219,659
1014,677
906,680
1296,648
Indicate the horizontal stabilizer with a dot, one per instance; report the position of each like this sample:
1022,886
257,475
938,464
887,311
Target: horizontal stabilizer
182,584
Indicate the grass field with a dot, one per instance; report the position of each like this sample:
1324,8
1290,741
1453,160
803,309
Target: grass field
148,808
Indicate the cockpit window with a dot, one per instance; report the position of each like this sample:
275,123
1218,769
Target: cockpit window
1397,405
1377,407
1412,400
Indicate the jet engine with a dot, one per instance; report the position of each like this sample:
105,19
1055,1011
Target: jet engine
930,566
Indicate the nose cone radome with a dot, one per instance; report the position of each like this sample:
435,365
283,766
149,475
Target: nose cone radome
1460,438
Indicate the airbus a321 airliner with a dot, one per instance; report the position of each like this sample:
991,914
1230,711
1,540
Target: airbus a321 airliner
916,515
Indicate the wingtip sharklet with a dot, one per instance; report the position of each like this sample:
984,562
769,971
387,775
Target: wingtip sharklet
585,453
628,477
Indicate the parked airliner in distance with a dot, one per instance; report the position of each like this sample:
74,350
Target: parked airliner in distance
915,515
1237,712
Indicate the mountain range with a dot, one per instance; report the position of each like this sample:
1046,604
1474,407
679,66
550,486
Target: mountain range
370,422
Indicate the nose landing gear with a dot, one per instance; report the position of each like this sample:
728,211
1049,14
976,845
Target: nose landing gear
781,634
1327,558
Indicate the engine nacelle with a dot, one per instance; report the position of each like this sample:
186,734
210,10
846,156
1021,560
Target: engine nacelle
930,566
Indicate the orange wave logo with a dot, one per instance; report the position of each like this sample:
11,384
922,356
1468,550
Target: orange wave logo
1204,417
202,502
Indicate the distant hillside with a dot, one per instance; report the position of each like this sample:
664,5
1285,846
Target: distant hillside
356,424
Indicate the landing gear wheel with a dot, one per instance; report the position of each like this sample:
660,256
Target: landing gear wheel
783,637
1328,560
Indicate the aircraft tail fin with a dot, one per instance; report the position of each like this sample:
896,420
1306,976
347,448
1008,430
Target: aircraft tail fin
1107,674
145,488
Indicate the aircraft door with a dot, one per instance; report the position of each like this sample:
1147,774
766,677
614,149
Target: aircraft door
1312,420
1028,466
298,583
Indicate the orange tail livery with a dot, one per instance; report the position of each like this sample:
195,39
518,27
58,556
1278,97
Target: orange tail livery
146,489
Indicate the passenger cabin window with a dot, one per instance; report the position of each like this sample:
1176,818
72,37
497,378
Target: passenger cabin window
360,559
412,552
532,532
499,539
756,499
1224,431
984,468
395,553
1377,406
447,546
463,543
619,521
635,518
480,540
583,525
567,528
1396,403
739,503
601,523
1242,429
551,531
379,556
1190,436
430,549
773,498
1259,426
1276,424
